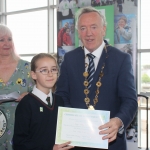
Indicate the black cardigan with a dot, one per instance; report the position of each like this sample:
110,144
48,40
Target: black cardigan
35,123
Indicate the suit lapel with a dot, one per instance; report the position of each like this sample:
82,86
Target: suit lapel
81,64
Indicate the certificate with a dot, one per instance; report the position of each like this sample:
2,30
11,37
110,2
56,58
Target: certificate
80,126
9,97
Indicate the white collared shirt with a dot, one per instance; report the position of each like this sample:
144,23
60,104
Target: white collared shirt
42,95
97,53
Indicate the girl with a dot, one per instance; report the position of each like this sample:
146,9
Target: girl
36,117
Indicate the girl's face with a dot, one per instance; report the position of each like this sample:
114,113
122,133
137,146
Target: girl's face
45,82
68,31
6,45
121,23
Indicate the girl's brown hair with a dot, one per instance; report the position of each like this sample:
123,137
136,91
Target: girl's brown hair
39,56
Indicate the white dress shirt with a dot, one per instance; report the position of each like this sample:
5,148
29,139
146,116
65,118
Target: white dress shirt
42,95
97,53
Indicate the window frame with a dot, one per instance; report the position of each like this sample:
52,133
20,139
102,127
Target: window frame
52,27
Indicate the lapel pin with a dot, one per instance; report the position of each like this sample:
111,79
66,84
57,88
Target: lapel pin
41,109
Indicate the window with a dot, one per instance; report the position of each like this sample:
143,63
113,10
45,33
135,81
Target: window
145,24
15,5
143,70
25,42
32,23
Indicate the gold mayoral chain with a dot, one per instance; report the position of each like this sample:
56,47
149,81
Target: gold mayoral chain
98,85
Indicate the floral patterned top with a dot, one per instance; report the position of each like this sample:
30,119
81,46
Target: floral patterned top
21,82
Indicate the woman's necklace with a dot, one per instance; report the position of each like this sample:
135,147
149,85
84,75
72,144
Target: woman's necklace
98,85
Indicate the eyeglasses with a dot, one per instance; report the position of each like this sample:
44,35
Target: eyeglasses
46,71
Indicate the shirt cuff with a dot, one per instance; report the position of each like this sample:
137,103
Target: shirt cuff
121,129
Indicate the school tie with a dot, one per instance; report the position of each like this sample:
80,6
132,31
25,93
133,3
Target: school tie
91,69
48,101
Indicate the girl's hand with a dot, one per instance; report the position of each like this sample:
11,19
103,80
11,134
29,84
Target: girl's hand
63,146
21,96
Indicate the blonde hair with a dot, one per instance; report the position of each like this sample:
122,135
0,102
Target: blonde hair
4,30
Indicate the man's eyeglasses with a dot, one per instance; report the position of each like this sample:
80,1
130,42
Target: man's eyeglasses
46,71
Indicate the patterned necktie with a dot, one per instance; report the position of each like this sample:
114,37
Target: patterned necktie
91,69
48,101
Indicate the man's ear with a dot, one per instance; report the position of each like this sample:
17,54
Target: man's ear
33,75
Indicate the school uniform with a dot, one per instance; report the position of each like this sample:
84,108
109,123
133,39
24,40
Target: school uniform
35,121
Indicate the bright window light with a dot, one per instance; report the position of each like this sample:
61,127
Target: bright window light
15,5
29,36
145,24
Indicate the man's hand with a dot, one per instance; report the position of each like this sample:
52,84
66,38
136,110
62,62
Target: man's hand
111,129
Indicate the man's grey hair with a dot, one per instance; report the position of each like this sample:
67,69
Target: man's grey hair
88,10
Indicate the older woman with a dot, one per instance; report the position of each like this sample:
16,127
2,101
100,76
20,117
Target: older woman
14,77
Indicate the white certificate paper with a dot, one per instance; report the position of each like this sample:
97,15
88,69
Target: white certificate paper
80,126
9,97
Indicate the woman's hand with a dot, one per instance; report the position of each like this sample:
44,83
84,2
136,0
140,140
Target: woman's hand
21,96
63,146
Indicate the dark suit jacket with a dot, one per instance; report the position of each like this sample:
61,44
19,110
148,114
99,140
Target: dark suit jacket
117,93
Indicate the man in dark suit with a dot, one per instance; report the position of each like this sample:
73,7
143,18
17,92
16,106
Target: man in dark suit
107,86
